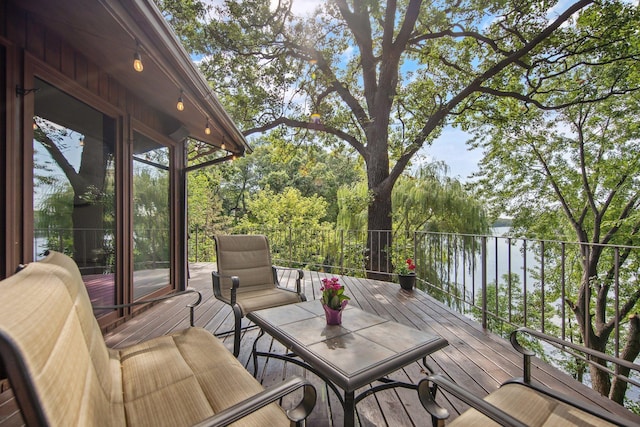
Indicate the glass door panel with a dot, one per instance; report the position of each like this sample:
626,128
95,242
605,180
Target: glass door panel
151,222
74,187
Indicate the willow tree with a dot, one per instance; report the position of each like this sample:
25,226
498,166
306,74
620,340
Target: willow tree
382,77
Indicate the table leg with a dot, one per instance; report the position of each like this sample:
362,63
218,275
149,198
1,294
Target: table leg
349,409
255,355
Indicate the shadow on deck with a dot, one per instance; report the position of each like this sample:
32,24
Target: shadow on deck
477,360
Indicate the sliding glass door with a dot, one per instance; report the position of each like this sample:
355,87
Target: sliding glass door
151,218
74,187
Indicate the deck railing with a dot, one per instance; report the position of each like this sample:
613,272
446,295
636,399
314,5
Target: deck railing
500,281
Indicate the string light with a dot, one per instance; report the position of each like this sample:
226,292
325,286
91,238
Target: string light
137,60
313,62
207,129
223,146
180,104
81,140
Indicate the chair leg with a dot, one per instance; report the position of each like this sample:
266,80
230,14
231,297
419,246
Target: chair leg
238,331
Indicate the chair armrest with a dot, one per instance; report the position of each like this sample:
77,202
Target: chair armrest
426,393
298,279
191,306
569,347
264,398
217,286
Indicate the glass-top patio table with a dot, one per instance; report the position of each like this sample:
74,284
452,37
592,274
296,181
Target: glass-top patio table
363,350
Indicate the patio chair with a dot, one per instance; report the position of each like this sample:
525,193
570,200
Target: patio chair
520,402
247,280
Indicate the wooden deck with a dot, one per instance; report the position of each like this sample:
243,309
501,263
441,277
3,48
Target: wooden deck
475,359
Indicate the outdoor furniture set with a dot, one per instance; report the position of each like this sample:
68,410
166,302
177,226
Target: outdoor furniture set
63,374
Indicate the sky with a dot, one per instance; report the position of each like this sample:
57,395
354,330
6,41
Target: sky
451,148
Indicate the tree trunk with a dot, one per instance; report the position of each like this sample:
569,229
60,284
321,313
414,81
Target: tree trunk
379,219
630,352
379,238
599,379
88,208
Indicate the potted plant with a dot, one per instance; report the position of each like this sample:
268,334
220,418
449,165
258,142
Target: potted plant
407,275
333,300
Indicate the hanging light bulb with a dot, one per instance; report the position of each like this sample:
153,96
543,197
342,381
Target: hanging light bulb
35,125
180,104
207,129
137,60
81,140
223,146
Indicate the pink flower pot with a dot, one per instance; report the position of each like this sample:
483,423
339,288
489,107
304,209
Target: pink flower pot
334,317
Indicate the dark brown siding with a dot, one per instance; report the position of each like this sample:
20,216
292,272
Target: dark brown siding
48,47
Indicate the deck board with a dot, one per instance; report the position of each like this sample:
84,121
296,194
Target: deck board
478,360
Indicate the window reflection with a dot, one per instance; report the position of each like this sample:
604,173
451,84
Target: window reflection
151,237
73,187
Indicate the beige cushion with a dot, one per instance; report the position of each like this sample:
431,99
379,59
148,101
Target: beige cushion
245,256
172,380
530,407
257,300
185,377
249,258
65,356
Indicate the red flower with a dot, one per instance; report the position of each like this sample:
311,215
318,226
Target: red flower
408,268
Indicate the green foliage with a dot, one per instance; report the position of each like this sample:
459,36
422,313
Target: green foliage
54,220
312,170
289,208
352,206
205,215
151,236
386,87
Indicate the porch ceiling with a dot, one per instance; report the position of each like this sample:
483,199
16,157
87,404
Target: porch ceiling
108,32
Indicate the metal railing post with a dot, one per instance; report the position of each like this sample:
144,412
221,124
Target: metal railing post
483,256
587,298
542,301
197,244
290,247
341,251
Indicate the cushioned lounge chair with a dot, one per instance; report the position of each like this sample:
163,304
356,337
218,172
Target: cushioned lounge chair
247,280
521,402
63,374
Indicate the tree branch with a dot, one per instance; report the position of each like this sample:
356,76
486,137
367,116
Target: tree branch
476,84
312,126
